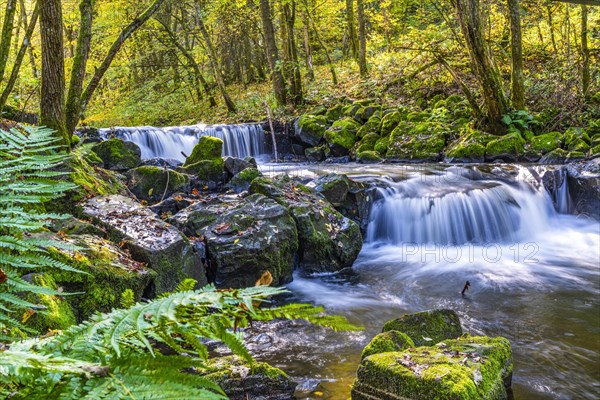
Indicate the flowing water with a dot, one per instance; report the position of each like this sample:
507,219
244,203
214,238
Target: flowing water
534,272
174,142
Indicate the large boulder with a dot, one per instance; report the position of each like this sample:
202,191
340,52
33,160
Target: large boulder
584,187
386,342
206,161
149,239
118,155
547,142
470,147
328,241
241,381
342,136
389,122
427,327
242,180
235,165
309,129
244,238
334,187
154,183
509,147
468,368
422,141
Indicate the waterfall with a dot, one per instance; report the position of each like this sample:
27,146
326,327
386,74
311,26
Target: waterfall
454,208
562,198
169,143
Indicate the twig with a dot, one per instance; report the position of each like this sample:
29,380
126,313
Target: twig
272,131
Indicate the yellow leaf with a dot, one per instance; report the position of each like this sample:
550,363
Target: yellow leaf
235,241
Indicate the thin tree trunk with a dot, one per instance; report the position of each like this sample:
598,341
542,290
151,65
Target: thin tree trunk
551,27
518,85
463,87
307,48
34,70
483,64
7,34
114,49
318,37
214,63
52,101
20,55
289,12
80,58
192,62
362,39
272,53
585,76
351,28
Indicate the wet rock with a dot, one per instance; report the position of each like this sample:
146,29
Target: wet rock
309,129
468,368
333,186
75,226
154,183
118,155
89,135
241,381
149,239
368,157
509,147
386,342
469,148
172,205
419,142
584,187
314,154
244,238
427,327
236,165
206,161
242,180
162,162
547,142
342,136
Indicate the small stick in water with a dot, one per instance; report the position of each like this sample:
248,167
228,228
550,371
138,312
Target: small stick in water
467,286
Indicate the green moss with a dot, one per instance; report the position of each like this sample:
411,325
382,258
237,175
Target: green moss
368,142
207,170
367,157
572,134
427,327
576,155
319,110
334,113
389,122
382,145
266,187
595,150
547,142
208,148
75,140
341,136
364,113
471,368
423,141
370,127
57,312
118,154
578,145
508,147
418,116
386,342
150,182
243,179
312,128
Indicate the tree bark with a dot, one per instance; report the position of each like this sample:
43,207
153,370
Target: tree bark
10,84
272,53
114,49
289,13
516,45
318,37
307,49
7,34
351,28
585,73
483,64
52,100
81,55
362,39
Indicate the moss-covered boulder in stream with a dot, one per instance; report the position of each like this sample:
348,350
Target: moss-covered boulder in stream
118,155
547,142
427,327
242,180
509,147
153,183
467,368
368,142
381,146
241,381
423,141
389,122
206,161
334,113
386,342
309,129
470,147
368,157
342,136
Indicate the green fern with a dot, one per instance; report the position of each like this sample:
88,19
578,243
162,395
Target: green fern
30,161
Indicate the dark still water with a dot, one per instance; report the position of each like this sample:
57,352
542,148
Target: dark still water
535,276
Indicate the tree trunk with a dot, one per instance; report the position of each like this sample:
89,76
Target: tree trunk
114,49
518,85
289,13
19,60
272,53
212,55
7,34
483,64
30,48
585,73
362,39
82,52
52,101
351,29
307,49
318,37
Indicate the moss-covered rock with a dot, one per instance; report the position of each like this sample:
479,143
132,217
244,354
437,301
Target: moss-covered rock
509,147
314,154
418,116
427,327
470,147
107,272
579,145
363,114
334,187
152,183
381,146
55,313
351,110
242,180
149,240
342,136
389,122
310,129
468,368
572,134
547,142
118,155
370,127
368,157
334,113
319,110
368,142
241,381
594,150
423,141
386,342
556,156
206,161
